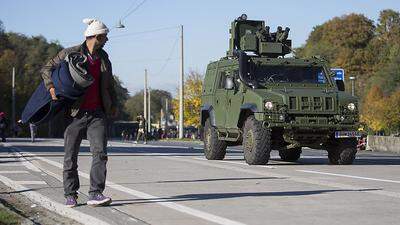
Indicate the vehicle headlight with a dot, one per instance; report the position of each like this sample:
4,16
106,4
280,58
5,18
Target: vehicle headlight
351,106
269,105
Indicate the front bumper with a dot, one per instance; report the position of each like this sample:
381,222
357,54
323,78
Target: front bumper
309,122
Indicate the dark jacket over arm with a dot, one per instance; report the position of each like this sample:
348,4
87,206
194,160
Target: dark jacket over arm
107,83
50,66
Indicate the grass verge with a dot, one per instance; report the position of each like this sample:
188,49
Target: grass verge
7,217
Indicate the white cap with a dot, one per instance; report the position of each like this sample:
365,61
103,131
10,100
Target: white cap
95,27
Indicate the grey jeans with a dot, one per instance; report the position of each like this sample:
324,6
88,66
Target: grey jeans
94,124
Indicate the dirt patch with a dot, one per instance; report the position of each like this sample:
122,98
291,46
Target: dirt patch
27,211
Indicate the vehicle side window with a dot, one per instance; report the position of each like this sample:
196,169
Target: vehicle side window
321,77
221,81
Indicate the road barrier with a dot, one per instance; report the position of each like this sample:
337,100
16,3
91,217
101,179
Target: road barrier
383,143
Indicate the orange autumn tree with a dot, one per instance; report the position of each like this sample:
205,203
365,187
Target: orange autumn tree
192,99
392,116
374,109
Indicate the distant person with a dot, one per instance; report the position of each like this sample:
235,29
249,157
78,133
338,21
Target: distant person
133,133
141,134
123,135
33,130
17,129
3,126
90,114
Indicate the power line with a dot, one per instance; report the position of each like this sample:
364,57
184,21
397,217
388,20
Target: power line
132,11
130,7
169,57
144,32
141,60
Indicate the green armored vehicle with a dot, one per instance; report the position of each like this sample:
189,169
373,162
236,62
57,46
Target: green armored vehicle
258,98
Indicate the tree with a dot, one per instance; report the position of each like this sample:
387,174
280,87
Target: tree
393,113
374,109
368,52
342,41
134,104
192,100
122,96
389,24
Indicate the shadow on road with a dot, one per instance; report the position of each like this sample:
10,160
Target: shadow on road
215,196
205,180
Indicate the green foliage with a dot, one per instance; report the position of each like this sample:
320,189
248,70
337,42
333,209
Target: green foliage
134,105
122,96
27,55
7,217
368,51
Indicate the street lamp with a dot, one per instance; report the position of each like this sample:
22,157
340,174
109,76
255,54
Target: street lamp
13,101
120,25
352,80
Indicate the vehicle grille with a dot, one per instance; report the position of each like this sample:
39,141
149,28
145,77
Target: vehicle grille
310,103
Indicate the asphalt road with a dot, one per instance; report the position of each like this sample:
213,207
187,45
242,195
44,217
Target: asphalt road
172,183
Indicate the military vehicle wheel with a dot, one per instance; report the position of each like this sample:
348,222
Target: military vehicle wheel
343,152
256,142
290,155
214,149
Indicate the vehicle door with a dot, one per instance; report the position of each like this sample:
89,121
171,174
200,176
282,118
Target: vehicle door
220,100
234,101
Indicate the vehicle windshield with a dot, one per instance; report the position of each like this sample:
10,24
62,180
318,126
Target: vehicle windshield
289,74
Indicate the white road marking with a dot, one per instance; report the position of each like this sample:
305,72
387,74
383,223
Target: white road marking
30,166
8,160
13,171
30,182
150,198
50,204
12,164
349,176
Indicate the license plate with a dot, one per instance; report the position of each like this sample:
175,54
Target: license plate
347,134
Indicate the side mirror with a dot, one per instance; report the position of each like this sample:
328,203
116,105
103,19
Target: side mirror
229,84
340,85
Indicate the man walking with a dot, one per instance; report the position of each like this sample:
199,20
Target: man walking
141,134
89,113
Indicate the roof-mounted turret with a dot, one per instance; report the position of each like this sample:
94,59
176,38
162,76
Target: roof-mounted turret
254,36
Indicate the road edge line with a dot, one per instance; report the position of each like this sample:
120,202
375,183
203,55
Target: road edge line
52,205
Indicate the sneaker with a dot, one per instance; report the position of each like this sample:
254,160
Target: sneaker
145,143
135,142
99,200
71,201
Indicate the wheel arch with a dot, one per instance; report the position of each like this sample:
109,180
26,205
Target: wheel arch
246,110
207,111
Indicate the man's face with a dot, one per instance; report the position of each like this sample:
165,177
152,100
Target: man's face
101,40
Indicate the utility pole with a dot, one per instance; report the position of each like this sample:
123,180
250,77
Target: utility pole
145,95
181,81
166,116
149,113
352,79
13,101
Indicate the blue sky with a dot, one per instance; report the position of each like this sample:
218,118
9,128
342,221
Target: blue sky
206,25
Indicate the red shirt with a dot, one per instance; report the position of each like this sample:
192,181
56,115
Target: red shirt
92,99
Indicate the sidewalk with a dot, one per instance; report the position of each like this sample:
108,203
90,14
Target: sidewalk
34,182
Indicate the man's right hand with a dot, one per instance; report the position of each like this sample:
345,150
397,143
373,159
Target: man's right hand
52,91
